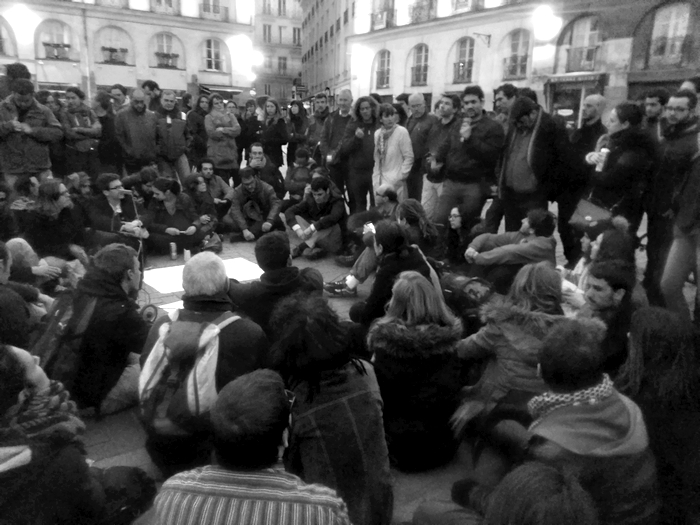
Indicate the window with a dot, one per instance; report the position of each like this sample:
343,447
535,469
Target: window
465,61
282,7
281,31
331,31
268,62
213,59
345,17
165,52
267,7
325,39
337,25
7,47
296,36
419,71
114,46
268,90
55,39
267,33
282,65
516,47
383,69
579,46
668,38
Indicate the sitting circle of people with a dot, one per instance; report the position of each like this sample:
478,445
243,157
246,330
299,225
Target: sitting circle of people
573,389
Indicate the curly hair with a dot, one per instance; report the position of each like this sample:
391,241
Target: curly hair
537,288
412,211
355,111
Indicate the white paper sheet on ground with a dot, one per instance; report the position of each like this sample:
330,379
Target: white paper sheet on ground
169,280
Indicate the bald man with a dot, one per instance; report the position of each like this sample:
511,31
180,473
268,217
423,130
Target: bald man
332,136
419,125
136,129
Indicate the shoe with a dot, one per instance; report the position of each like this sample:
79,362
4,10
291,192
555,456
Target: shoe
332,286
313,254
299,249
342,292
345,260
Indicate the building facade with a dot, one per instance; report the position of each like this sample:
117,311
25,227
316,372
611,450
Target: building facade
184,45
278,35
619,48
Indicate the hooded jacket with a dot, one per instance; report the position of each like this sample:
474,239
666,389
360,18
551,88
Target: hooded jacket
607,446
258,298
115,329
419,378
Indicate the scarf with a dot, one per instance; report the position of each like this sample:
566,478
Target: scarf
540,406
384,136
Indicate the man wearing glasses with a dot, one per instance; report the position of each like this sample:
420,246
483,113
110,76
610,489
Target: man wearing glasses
676,151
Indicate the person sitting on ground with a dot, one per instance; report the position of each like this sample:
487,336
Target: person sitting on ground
337,435
24,200
257,299
141,185
220,192
662,375
171,218
458,237
392,246
249,420
80,188
298,177
8,223
498,257
195,186
242,348
106,376
255,208
417,367
28,268
265,169
114,215
608,298
317,221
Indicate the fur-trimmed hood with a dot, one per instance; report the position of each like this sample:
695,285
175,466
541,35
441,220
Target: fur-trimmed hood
398,340
504,312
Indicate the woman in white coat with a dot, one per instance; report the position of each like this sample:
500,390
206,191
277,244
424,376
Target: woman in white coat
393,153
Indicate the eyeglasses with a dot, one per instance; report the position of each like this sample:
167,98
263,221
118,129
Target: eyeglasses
116,187
677,110
454,216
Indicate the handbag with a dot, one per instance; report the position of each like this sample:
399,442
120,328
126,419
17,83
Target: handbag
212,243
589,214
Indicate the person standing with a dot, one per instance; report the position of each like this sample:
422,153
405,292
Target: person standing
503,98
195,123
120,100
419,125
274,132
331,138
319,117
152,91
393,154
136,129
82,130
654,103
297,125
109,152
222,130
173,138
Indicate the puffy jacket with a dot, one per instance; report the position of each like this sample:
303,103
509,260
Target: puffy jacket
136,133
22,153
221,146
174,137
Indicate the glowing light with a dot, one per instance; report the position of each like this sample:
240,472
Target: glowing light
256,58
547,24
543,53
23,21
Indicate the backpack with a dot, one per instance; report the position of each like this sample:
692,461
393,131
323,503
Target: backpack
177,384
61,336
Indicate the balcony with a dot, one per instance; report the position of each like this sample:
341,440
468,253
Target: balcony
581,59
669,51
384,19
167,60
56,51
122,4
383,78
113,55
515,67
422,12
213,12
419,75
462,6
463,72
165,7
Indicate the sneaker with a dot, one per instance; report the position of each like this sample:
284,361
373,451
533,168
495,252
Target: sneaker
332,286
342,292
314,253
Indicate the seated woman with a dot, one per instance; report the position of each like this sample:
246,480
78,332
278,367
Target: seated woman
415,358
196,188
662,375
458,236
337,435
392,246
53,230
26,194
28,268
171,218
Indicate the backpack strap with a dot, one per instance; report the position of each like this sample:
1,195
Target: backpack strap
225,319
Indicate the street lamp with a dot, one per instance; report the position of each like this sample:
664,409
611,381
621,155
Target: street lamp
547,25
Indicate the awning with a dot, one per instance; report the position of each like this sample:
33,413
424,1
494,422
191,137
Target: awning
224,91
577,78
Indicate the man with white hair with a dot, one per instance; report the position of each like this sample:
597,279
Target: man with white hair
419,125
332,136
242,348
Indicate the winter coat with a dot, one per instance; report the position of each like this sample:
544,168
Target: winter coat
257,299
271,174
81,117
158,219
396,164
625,172
332,136
22,153
607,447
337,440
359,152
115,329
509,342
53,236
314,132
474,159
103,217
108,150
274,136
221,145
296,131
173,138
419,378
262,200
321,216
195,123
513,248
296,180
136,133
583,141
419,129
688,212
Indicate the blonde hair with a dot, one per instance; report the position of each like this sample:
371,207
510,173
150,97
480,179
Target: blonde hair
537,288
22,253
415,301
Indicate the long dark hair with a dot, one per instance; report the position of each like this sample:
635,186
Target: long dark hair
412,211
301,116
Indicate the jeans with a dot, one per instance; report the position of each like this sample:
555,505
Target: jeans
414,183
329,239
177,169
570,238
659,239
365,265
359,184
455,194
683,258
430,196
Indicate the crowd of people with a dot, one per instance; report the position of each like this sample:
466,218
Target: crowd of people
576,388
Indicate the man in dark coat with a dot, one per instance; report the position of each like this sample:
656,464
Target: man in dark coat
419,126
258,298
332,137
315,129
255,207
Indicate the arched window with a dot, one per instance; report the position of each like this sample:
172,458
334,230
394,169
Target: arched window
579,46
114,46
215,56
166,51
464,63
382,66
55,41
419,71
8,46
516,48
669,34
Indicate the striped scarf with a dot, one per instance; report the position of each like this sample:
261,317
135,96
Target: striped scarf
543,404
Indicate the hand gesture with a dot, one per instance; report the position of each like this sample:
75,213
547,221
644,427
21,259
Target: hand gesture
266,227
248,235
46,271
470,254
172,231
191,230
300,234
359,133
466,130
